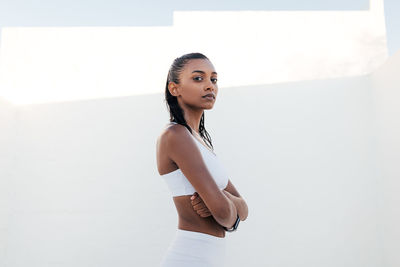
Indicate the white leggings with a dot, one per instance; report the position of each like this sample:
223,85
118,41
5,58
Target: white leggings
195,249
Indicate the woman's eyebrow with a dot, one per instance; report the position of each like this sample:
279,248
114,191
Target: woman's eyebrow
203,71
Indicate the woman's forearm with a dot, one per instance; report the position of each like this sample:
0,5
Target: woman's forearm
240,204
229,215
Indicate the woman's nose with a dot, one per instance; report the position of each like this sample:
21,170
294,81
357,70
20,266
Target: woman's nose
211,85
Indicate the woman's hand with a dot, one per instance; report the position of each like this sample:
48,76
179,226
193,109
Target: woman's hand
199,206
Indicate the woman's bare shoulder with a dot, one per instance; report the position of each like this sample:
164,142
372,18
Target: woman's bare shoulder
172,131
170,136
164,147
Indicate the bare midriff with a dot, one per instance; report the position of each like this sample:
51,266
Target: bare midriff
190,220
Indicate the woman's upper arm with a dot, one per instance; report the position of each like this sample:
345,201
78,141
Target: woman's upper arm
183,150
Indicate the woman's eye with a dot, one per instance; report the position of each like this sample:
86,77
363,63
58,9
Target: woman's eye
214,80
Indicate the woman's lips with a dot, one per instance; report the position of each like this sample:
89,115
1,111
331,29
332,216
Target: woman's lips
209,97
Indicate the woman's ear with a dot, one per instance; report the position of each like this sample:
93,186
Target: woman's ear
173,89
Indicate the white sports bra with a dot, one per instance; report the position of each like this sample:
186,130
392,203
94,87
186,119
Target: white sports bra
179,185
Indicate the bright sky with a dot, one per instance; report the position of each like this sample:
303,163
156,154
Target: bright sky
46,64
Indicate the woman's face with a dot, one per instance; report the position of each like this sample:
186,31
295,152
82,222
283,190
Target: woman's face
197,79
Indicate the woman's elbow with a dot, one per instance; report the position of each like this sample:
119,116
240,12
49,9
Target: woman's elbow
226,215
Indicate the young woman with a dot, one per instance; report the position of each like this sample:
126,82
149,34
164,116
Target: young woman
207,202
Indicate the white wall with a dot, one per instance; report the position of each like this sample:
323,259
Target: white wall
386,81
305,163
8,155
82,187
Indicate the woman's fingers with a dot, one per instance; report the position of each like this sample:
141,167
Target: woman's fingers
204,212
196,201
195,194
199,206
195,198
